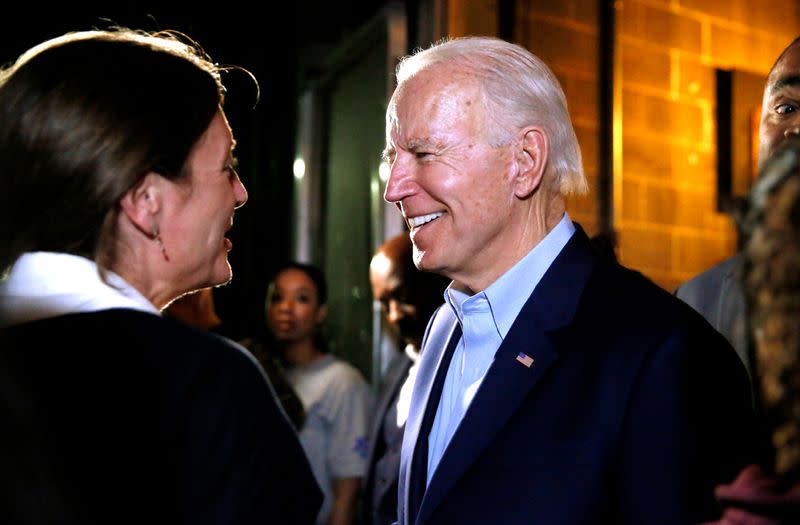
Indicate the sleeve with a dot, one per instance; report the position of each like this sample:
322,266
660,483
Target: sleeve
349,426
687,429
244,463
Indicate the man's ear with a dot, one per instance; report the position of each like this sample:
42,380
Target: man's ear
142,203
532,154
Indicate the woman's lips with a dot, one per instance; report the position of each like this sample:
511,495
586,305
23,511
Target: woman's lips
283,326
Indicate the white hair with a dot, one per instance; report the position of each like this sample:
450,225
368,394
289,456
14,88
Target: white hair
519,90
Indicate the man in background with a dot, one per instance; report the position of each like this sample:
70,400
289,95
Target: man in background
716,293
408,298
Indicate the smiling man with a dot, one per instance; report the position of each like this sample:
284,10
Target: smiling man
555,386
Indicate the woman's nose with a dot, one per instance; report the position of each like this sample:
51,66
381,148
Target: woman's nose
239,192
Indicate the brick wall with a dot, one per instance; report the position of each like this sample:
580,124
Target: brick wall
564,34
665,211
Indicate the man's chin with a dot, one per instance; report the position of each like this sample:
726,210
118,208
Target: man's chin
426,262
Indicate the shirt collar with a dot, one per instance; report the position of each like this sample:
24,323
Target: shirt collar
48,284
508,294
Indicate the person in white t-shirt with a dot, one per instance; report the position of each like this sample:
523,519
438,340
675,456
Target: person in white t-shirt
335,395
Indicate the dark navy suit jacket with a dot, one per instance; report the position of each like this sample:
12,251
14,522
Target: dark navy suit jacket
633,410
386,438
126,417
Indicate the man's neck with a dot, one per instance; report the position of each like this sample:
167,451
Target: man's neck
537,221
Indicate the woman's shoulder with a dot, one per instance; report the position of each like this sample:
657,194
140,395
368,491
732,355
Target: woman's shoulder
135,333
192,342
122,349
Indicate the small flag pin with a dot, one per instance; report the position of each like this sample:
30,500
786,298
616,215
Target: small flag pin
525,359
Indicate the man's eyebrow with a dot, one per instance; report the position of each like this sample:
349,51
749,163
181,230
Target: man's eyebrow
787,81
233,145
413,145
421,143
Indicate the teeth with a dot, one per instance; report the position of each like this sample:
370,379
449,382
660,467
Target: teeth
423,219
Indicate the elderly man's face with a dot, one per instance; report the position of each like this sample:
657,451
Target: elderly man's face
453,188
780,111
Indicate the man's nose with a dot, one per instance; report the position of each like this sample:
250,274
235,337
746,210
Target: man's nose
793,130
283,305
400,183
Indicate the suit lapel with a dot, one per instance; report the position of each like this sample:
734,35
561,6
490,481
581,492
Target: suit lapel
437,351
506,384
550,307
393,380
732,316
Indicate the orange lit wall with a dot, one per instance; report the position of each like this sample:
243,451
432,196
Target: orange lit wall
665,184
564,35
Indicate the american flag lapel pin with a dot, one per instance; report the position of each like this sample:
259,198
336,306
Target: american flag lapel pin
525,359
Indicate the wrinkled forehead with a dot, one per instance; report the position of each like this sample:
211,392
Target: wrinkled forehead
437,95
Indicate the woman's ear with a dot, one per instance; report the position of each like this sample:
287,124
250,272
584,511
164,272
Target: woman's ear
531,156
142,203
322,313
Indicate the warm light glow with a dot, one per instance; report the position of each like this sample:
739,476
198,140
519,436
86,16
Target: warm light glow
383,171
380,265
299,168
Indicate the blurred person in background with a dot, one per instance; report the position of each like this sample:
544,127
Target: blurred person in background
336,398
717,292
408,298
768,492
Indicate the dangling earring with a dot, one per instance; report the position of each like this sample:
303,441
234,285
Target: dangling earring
157,237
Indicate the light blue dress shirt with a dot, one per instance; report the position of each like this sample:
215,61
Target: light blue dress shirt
485,319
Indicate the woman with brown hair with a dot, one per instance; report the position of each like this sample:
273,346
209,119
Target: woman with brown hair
119,185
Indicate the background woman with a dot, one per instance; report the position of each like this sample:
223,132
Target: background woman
119,185
336,397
